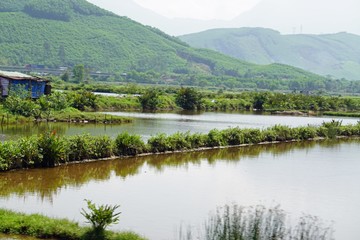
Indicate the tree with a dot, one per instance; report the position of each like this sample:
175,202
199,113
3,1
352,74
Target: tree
79,73
188,99
150,99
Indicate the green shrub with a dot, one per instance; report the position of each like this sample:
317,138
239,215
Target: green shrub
305,133
215,138
197,140
54,149
269,135
101,147
11,155
231,136
283,133
159,143
252,136
129,145
30,152
79,147
101,216
179,141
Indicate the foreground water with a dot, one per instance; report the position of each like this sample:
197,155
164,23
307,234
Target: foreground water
148,124
160,193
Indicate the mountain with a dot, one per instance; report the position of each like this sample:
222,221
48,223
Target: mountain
303,16
328,54
286,16
57,33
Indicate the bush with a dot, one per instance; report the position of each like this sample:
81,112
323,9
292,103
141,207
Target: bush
215,138
305,133
159,143
102,147
30,152
129,145
179,141
53,149
231,136
101,216
79,147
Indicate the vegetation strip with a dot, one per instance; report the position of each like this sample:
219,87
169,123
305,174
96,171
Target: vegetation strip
43,227
49,150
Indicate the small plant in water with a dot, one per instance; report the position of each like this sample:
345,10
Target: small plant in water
233,222
101,216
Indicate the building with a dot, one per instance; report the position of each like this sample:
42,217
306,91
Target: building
35,85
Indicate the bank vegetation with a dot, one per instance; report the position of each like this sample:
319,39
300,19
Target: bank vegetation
50,149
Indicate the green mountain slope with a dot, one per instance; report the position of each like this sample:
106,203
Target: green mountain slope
58,33
331,54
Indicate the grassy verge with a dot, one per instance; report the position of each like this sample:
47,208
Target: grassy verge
70,115
43,227
49,149
342,114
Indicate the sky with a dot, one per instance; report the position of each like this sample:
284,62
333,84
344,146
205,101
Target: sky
178,17
199,9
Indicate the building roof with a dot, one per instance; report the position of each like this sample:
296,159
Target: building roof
17,76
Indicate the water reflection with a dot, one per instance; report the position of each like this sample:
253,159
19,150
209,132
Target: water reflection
46,183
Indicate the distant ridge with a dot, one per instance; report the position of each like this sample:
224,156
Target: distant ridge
337,55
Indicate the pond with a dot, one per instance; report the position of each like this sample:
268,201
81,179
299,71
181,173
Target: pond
148,124
160,193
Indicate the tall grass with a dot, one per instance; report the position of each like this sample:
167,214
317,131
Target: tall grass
233,222
49,149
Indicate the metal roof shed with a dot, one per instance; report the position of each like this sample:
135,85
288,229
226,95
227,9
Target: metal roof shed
35,85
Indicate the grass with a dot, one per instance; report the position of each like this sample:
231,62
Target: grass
233,222
342,114
70,115
39,226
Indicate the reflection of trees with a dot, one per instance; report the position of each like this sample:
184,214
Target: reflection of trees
47,182
21,130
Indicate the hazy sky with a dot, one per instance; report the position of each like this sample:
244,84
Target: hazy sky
199,9
177,17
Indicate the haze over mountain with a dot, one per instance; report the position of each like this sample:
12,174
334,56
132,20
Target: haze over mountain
286,16
328,54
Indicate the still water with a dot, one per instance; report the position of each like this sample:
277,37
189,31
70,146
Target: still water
149,124
160,193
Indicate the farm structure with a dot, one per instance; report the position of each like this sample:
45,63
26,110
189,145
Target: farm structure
14,80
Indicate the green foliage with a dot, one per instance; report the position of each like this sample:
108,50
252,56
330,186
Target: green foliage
49,150
215,138
159,143
188,99
53,149
83,100
50,9
150,99
101,216
129,145
79,73
39,226
259,223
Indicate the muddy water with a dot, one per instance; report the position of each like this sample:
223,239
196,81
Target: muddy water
159,193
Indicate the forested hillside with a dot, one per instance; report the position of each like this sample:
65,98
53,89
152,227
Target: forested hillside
56,33
328,54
